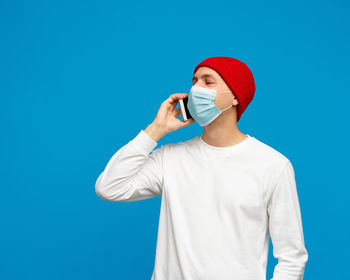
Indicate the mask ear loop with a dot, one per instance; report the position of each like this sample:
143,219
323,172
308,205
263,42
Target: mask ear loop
226,108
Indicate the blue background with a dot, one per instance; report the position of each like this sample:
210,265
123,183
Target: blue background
79,79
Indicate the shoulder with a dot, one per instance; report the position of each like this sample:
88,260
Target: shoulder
271,152
179,149
181,145
271,160
270,157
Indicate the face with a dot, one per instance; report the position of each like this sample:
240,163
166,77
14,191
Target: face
209,78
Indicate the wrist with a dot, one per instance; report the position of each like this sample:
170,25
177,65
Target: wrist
155,131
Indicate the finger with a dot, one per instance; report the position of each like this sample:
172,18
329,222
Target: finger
187,123
191,120
176,97
178,112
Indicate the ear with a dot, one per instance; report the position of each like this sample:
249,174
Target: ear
235,101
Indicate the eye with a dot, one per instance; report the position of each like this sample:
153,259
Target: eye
209,83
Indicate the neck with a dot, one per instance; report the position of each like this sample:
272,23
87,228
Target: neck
223,131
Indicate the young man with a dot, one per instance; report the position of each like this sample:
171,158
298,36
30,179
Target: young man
224,193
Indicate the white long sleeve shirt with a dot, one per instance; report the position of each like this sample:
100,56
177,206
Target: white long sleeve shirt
219,207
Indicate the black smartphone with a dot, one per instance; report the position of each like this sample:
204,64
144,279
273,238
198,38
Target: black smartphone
184,110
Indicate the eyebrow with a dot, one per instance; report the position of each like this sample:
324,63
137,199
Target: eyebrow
204,76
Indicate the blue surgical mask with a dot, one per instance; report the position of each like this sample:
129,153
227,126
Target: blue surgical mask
202,106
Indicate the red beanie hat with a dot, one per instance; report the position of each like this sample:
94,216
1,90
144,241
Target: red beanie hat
236,75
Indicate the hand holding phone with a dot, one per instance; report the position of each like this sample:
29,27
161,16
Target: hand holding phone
166,119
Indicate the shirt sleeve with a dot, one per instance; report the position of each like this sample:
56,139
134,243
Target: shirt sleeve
285,226
133,173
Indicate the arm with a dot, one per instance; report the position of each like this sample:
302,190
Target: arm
285,226
132,174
